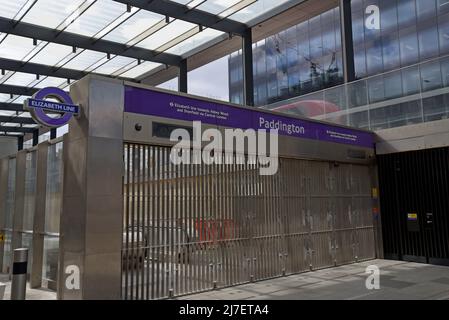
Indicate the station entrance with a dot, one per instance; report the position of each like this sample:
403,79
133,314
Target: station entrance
110,209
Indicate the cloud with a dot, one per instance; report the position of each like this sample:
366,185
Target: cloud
211,80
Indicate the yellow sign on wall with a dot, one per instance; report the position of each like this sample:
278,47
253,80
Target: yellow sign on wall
412,216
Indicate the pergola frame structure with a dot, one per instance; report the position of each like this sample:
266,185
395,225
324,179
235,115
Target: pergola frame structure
169,9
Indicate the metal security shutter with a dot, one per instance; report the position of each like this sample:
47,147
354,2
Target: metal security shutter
192,228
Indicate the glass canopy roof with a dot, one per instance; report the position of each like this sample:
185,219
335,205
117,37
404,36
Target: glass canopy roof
115,22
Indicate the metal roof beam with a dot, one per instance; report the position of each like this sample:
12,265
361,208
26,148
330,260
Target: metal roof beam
45,70
74,40
182,12
16,90
11,106
10,135
14,119
40,69
16,129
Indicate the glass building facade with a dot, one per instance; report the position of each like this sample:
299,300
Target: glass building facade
401,57
305,58
410,31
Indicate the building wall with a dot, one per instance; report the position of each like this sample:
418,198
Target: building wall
302,59
411,31
8,146
401,55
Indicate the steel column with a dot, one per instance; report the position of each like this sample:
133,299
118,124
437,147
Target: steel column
20,143
36,137
182,77
248,75
53,133
347,40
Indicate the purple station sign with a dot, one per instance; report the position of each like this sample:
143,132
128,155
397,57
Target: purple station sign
38,106
165,105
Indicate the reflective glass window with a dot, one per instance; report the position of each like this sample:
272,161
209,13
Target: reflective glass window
390,51
431,76
407,13
428,40
410,31
434,108
443,30
411,81
408,40
425,9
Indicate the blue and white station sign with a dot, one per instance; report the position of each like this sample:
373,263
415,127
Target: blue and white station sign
38,107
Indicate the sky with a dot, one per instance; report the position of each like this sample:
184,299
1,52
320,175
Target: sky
210,81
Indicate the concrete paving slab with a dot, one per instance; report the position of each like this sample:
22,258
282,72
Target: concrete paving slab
443,280
31,294
399,281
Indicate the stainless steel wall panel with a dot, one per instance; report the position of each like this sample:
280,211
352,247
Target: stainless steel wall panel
93,196
3,197
19,200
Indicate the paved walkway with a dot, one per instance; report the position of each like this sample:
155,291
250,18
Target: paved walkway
32,294
398,281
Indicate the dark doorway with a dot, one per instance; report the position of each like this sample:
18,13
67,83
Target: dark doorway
414,190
